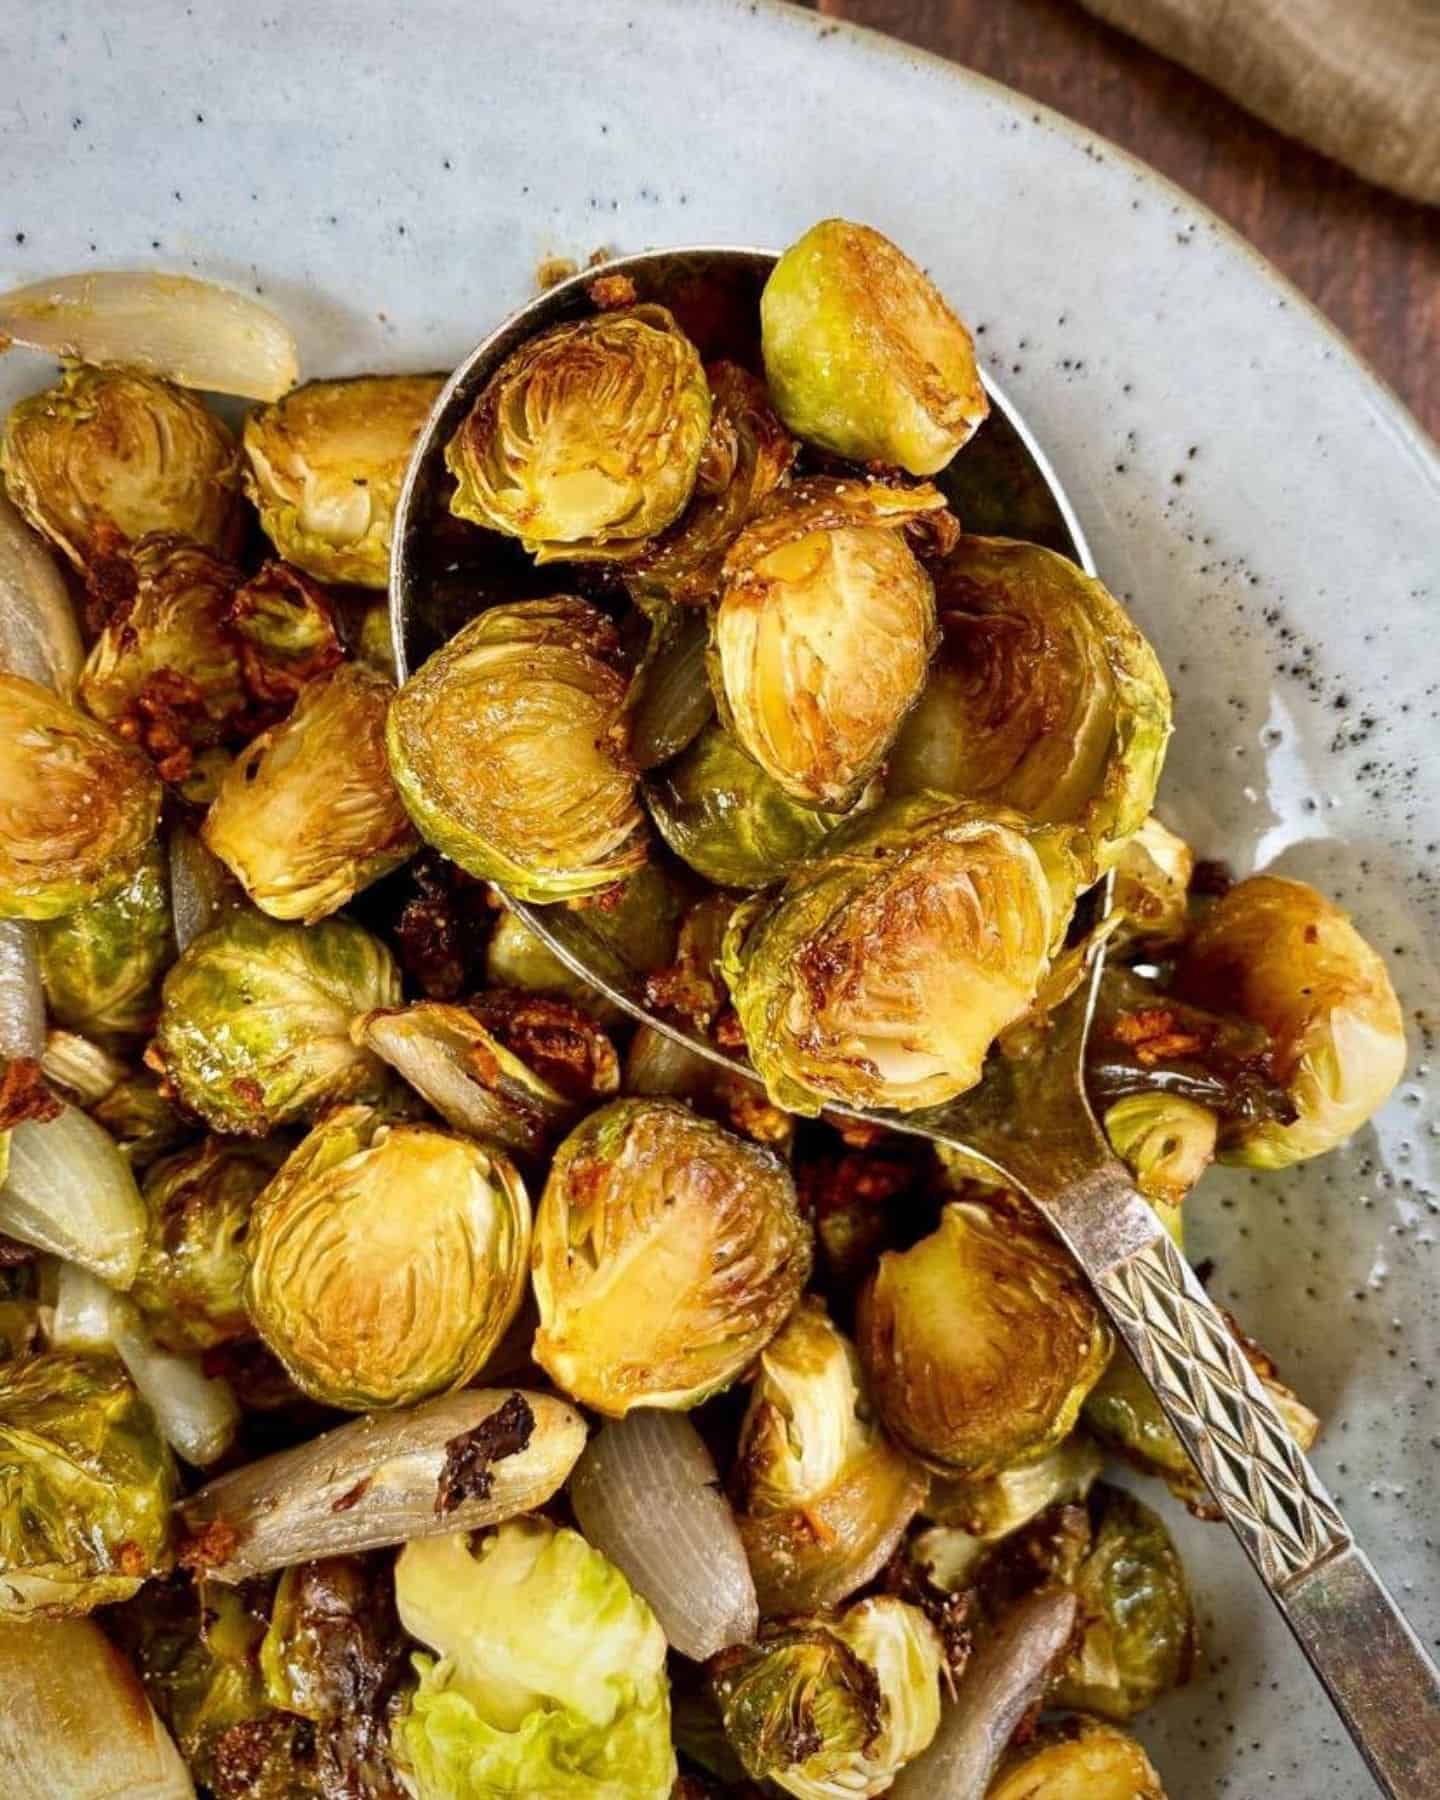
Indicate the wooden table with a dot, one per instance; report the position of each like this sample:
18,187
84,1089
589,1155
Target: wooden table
1368,259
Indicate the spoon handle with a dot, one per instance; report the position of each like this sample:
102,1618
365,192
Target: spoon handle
1383,1683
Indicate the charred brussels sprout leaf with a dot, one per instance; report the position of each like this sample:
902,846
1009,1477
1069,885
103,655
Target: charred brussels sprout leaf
87,1485
1281,954
667,1252
112,450
586,442
509,751
1081,1759
386,1260
1044,697
308,815
102,963
862,354
77,807
255,1020
325,466
982,1341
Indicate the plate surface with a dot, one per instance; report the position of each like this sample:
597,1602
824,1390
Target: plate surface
390,177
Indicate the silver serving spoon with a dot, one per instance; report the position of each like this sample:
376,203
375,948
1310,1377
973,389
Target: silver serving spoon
1029,1122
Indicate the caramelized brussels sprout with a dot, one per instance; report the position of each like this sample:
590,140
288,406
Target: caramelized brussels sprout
862,354
141,1118
885,968
1044,697
112,450
88,1486
586,442
102,963
991,1508
325,466
308,815
509,751
1080,1759
287,632
375,642
516,958
1283,955
822,1496
551,1678
77,807
1167,1143
824,630
1153,872
982,1341
386,1261
333,1645
670,702
255,1020
667,1252
829,1707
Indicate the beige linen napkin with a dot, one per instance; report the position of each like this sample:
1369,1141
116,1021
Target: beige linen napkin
1358,79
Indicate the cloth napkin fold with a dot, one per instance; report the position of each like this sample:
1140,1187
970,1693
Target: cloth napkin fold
1358,79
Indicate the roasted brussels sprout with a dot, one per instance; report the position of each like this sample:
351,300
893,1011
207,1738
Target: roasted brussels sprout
308,814
1080,1759
141,1118
102,963
287,632
386,1260
325,466
375,641
1044,697
77,807
993,1507
667,1252
982,1341
551,1678
114,450
255,1020
886,967
586,442
1281,954
509,750
516,958
824,630
1153,872
829,1707
1167,1143
822,1496
862,354
87,1482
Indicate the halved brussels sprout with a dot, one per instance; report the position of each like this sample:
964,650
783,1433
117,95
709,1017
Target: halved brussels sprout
824,630
287,632
994,1506
667,1252
822,1496
88,1485
386,1261
333,1645
885,968
77,807
982,1341
255,1020
325,466
1153,872
862,354
1167,1143
509,751
833,1706
109,450
1080,1759
1044,697
551,1678
586,442
1278,952
102,963
308,815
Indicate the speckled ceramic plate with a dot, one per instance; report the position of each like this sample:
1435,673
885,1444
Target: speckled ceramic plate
389,176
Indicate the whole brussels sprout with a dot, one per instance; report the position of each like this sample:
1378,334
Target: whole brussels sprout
255,1020
1167,1143
1281,954
114,450
982,1341
509,751
1079,1759
883,971
325,465
386,1261
824,629
1044,697
1153,872
862,354
829,1707
667,1252
102,963
87,1483
308,815
586,441
77,807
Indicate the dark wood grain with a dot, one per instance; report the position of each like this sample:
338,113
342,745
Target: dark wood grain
1368,259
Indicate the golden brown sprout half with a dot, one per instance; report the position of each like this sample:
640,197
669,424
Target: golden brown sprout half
1080,1759
1153,873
